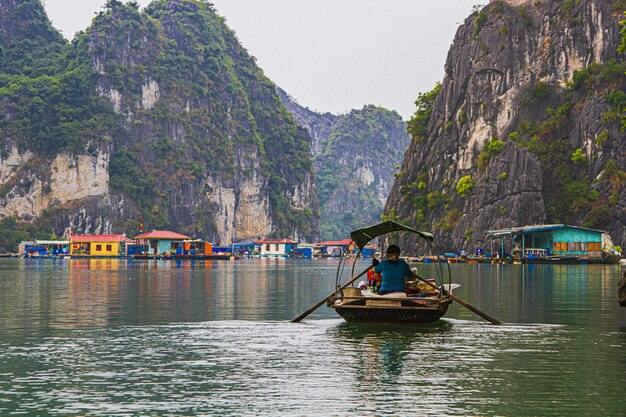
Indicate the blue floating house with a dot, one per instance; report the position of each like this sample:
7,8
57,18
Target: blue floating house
553,241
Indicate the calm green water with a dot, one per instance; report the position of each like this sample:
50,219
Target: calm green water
102,338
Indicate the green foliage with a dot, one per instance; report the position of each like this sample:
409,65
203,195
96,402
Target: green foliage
502,210
616,178
622,46
465,185
421,201
348,201
30,46
597,216
392,215
566,8
448,221
492,148
479,22
602,137
502,176
617,100
436,200
525,15
47,88
12,231
462,117
541,90
579,157
418,124
469,232
127,176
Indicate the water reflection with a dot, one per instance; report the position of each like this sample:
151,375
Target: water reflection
213,338
379,351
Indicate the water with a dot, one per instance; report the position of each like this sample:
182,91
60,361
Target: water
115,337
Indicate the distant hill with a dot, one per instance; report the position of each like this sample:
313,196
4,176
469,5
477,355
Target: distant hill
355,157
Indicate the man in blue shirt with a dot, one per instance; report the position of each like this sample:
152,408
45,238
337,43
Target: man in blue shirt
394,271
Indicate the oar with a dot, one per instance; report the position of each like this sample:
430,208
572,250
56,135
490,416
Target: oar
464,304
316,306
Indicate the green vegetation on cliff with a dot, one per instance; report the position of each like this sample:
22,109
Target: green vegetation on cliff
355,169
174,99
47,88
418,125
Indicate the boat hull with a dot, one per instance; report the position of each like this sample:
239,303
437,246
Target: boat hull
395,315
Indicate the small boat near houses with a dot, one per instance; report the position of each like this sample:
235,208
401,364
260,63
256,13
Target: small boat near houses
363,306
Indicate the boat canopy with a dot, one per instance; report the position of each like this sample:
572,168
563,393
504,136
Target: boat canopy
362,236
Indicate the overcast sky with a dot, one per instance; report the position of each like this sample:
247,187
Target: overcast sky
330,55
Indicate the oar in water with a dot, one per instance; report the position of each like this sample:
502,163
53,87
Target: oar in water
316,306
464,304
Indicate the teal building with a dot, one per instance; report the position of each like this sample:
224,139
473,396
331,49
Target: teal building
556,240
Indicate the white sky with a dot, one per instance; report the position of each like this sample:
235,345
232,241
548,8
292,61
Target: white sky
330,55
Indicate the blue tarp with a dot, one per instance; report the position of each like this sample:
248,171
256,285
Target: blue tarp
303,252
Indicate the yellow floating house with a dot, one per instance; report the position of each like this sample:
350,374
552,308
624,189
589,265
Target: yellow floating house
99,245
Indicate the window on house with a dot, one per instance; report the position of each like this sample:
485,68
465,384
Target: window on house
98,248
560,246
593,246
574,246
276,248
109,248
267,247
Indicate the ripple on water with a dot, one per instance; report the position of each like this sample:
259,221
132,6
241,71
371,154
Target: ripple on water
269,368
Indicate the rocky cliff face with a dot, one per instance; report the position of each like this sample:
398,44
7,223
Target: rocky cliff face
355,170
319,125
355,158
525,128
179,128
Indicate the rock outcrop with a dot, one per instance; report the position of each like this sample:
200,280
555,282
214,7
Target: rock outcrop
526,126
355,158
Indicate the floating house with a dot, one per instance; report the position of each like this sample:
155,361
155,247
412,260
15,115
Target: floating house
304,251
333,248
555,241
270,247
44,248
98,245
161,242
244,248
370,251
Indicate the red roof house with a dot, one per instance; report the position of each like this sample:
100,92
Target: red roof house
160,241
275,247
162,234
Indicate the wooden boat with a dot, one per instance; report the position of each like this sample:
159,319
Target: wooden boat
356,306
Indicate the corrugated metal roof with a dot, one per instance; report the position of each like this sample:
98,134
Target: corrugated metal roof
272,241
101,238
162,234
51,242
536,228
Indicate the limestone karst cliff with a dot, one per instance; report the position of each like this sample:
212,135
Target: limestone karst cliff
158,115
525,128
355,158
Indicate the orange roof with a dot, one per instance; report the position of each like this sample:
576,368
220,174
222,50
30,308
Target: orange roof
162,234
272,241
101,238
